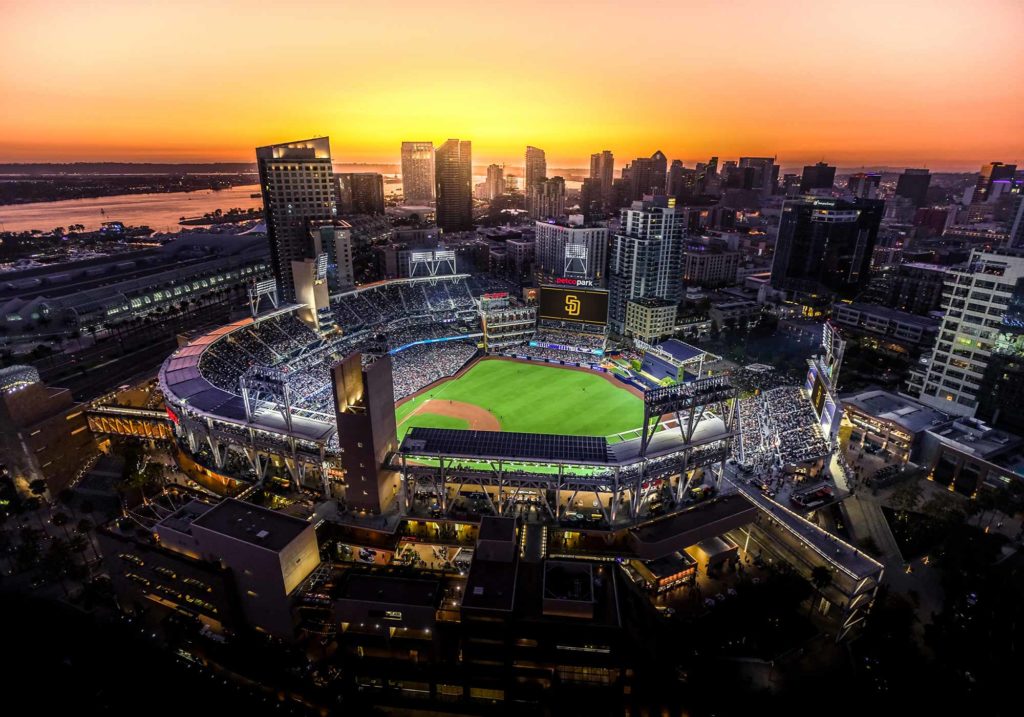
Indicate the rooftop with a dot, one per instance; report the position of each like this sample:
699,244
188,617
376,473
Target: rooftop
490,585
906,412
494,528
525,446
388,589
252,524
679,350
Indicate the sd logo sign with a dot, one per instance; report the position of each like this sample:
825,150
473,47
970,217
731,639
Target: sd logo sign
572,305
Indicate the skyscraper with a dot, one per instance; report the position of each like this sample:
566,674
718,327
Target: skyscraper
591,201
991,173
360,193
297,181
536,167
913,184
765,175
602,169
418,173
817,176
453,172
864,185
645,259
495,181
546,198
824,246
984,312
647,176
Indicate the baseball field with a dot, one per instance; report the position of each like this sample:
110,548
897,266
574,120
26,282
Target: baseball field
501,395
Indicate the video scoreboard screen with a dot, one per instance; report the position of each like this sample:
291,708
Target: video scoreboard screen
564,303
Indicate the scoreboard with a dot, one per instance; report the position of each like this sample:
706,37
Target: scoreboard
564,303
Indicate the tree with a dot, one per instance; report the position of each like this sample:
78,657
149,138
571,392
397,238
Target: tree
61,520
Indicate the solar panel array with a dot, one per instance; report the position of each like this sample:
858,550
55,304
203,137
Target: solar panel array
501,444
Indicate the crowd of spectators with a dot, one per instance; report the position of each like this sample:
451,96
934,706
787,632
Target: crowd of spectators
778,428
420,365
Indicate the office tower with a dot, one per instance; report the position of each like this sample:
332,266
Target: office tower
983,314
824,246
297,181
364,406
647,176
360,193
682,183
709,266
602,169
591,200
545,199
585,261
645,258
913,184
495,183
791,185
536,167
417,173
707,177
817,176
453,170
991,174
864,185
762,174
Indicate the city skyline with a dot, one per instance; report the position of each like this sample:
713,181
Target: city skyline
909,101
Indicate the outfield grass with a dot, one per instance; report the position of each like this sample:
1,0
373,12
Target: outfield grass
533,398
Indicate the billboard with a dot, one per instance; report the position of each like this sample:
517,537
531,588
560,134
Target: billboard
818,395
589,306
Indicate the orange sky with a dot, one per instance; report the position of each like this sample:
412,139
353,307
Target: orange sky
858,82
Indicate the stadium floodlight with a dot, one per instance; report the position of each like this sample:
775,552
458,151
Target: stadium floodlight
260,288
575,259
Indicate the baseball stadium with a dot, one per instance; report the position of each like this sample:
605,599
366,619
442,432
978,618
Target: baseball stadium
452,381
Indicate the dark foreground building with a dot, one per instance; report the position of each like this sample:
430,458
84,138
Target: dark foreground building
824,246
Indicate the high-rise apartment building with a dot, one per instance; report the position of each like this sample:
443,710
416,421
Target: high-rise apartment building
817,176
645,257
453,171
418,173
360,193
571,249
913,184
545,199
824,246
297,181
495,183
536,167
602,170
983,303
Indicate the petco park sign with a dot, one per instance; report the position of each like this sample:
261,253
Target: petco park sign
574,282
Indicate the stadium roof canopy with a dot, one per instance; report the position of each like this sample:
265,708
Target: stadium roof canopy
679,350
456,443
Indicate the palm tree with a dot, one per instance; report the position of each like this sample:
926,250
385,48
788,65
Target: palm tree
84,528
61,520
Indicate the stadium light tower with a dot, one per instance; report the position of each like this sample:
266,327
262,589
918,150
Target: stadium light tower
575,260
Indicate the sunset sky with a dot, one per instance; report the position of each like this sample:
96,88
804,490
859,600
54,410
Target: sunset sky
862,82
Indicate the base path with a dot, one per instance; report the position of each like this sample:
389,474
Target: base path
479,419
